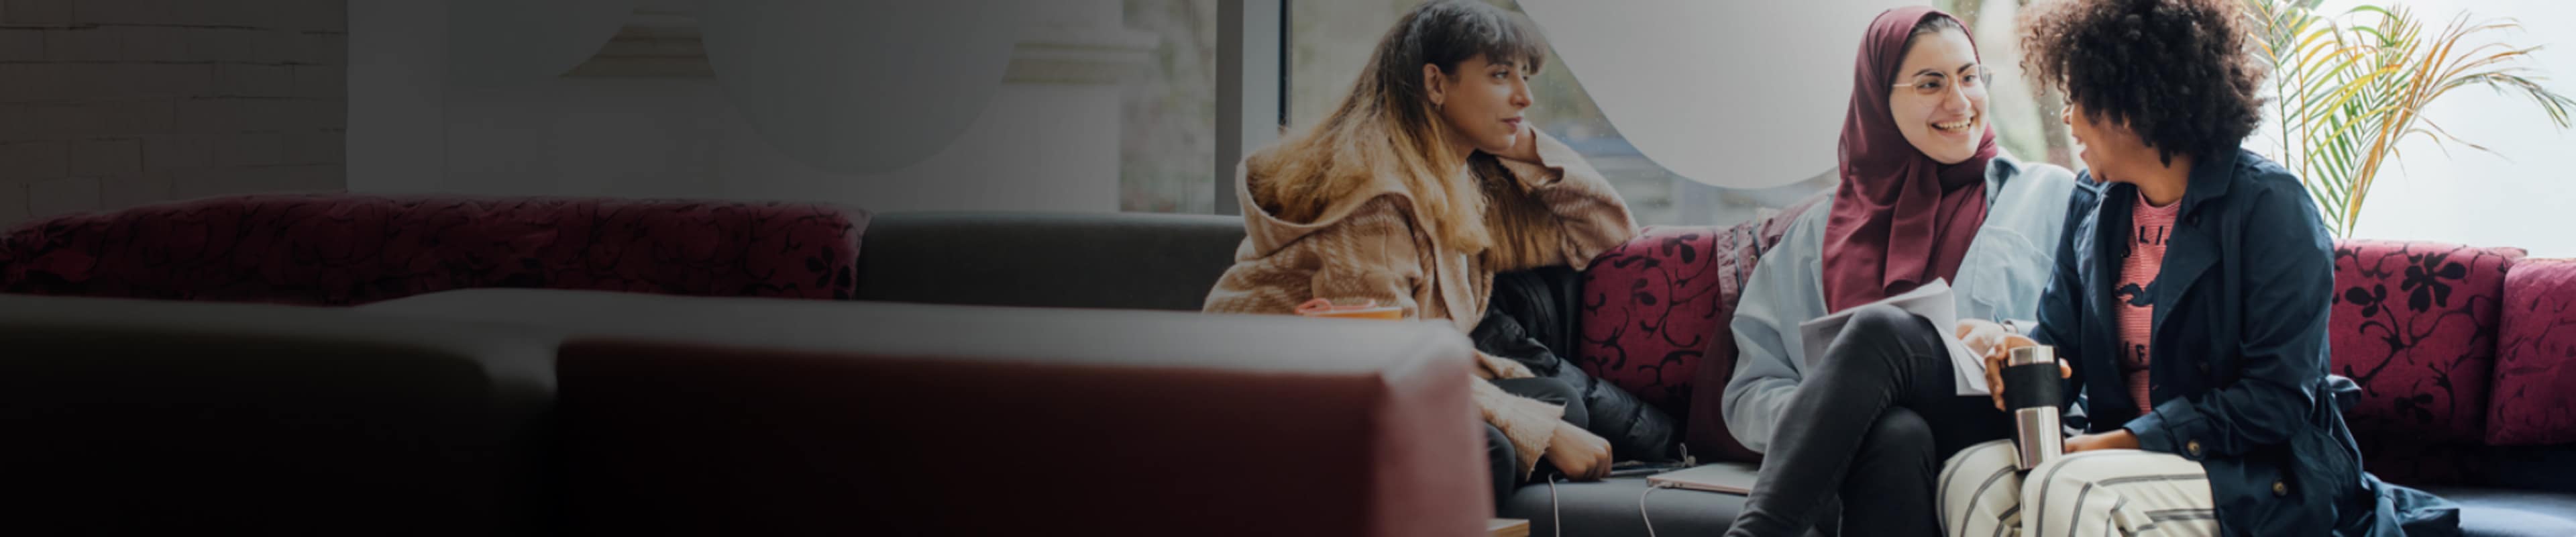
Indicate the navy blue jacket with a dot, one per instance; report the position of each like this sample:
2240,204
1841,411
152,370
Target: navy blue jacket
2238,364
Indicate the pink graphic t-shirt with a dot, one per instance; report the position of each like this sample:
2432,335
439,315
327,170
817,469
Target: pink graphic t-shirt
2148,227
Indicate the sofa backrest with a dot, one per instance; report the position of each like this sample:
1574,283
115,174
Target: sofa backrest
339,249
1069,260
2535,383
2416,324
163,417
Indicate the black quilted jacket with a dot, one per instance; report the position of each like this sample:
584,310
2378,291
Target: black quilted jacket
1531,319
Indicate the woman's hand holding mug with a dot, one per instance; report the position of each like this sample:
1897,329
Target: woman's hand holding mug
1993,342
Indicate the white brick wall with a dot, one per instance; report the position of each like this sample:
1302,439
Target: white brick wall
21,44
128,190
108,104
65,195
25,162
254,80
41,12
13,202
102,158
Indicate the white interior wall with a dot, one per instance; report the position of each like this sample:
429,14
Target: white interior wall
1039,145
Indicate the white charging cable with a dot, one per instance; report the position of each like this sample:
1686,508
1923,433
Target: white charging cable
1555,515
1641,507
1688,461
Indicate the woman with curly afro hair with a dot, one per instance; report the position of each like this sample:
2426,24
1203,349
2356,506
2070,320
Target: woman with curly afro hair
2189,299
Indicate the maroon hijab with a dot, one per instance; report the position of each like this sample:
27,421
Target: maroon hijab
1900,219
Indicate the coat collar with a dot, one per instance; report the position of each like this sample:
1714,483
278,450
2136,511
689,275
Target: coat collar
2211,175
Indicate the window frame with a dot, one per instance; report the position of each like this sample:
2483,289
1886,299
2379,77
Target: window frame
1251,87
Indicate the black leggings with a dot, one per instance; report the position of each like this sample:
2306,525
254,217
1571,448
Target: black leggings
1870,425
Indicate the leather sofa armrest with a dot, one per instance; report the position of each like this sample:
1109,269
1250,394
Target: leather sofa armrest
156,417
694,415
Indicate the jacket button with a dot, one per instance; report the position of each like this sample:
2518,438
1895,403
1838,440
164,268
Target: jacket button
2280,488
2193,447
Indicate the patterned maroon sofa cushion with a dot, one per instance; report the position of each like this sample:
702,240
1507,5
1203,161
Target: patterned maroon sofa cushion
1655,314
1648,309
2415,324
2535,375
339,249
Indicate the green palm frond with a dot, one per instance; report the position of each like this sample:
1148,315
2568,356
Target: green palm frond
2347,94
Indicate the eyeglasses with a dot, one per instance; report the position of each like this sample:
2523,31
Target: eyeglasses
1934,84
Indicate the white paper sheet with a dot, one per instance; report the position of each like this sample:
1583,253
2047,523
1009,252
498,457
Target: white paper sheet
1934,302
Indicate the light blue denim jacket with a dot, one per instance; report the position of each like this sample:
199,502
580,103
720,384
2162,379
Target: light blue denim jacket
2007,266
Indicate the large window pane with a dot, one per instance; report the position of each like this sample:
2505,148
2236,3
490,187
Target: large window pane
1169,136
1330,42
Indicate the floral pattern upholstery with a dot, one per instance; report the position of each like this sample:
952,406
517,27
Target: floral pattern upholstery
1648,310
1655,314
2414,323
341,249
2535,373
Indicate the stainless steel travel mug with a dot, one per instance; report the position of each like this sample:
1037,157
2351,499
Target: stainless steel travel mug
2032,391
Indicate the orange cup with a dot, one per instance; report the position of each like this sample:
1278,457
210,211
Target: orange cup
1365,310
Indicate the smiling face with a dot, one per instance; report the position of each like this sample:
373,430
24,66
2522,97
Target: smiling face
1481,101
1940,100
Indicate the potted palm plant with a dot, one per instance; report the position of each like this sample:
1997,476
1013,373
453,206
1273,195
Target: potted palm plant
2349,88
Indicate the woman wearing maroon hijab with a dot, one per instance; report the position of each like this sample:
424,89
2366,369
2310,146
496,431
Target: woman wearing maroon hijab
1925,196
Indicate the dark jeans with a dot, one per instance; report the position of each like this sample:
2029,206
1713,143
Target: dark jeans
1871,424
1506,461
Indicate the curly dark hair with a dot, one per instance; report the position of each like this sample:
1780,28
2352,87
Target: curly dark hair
2179,72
